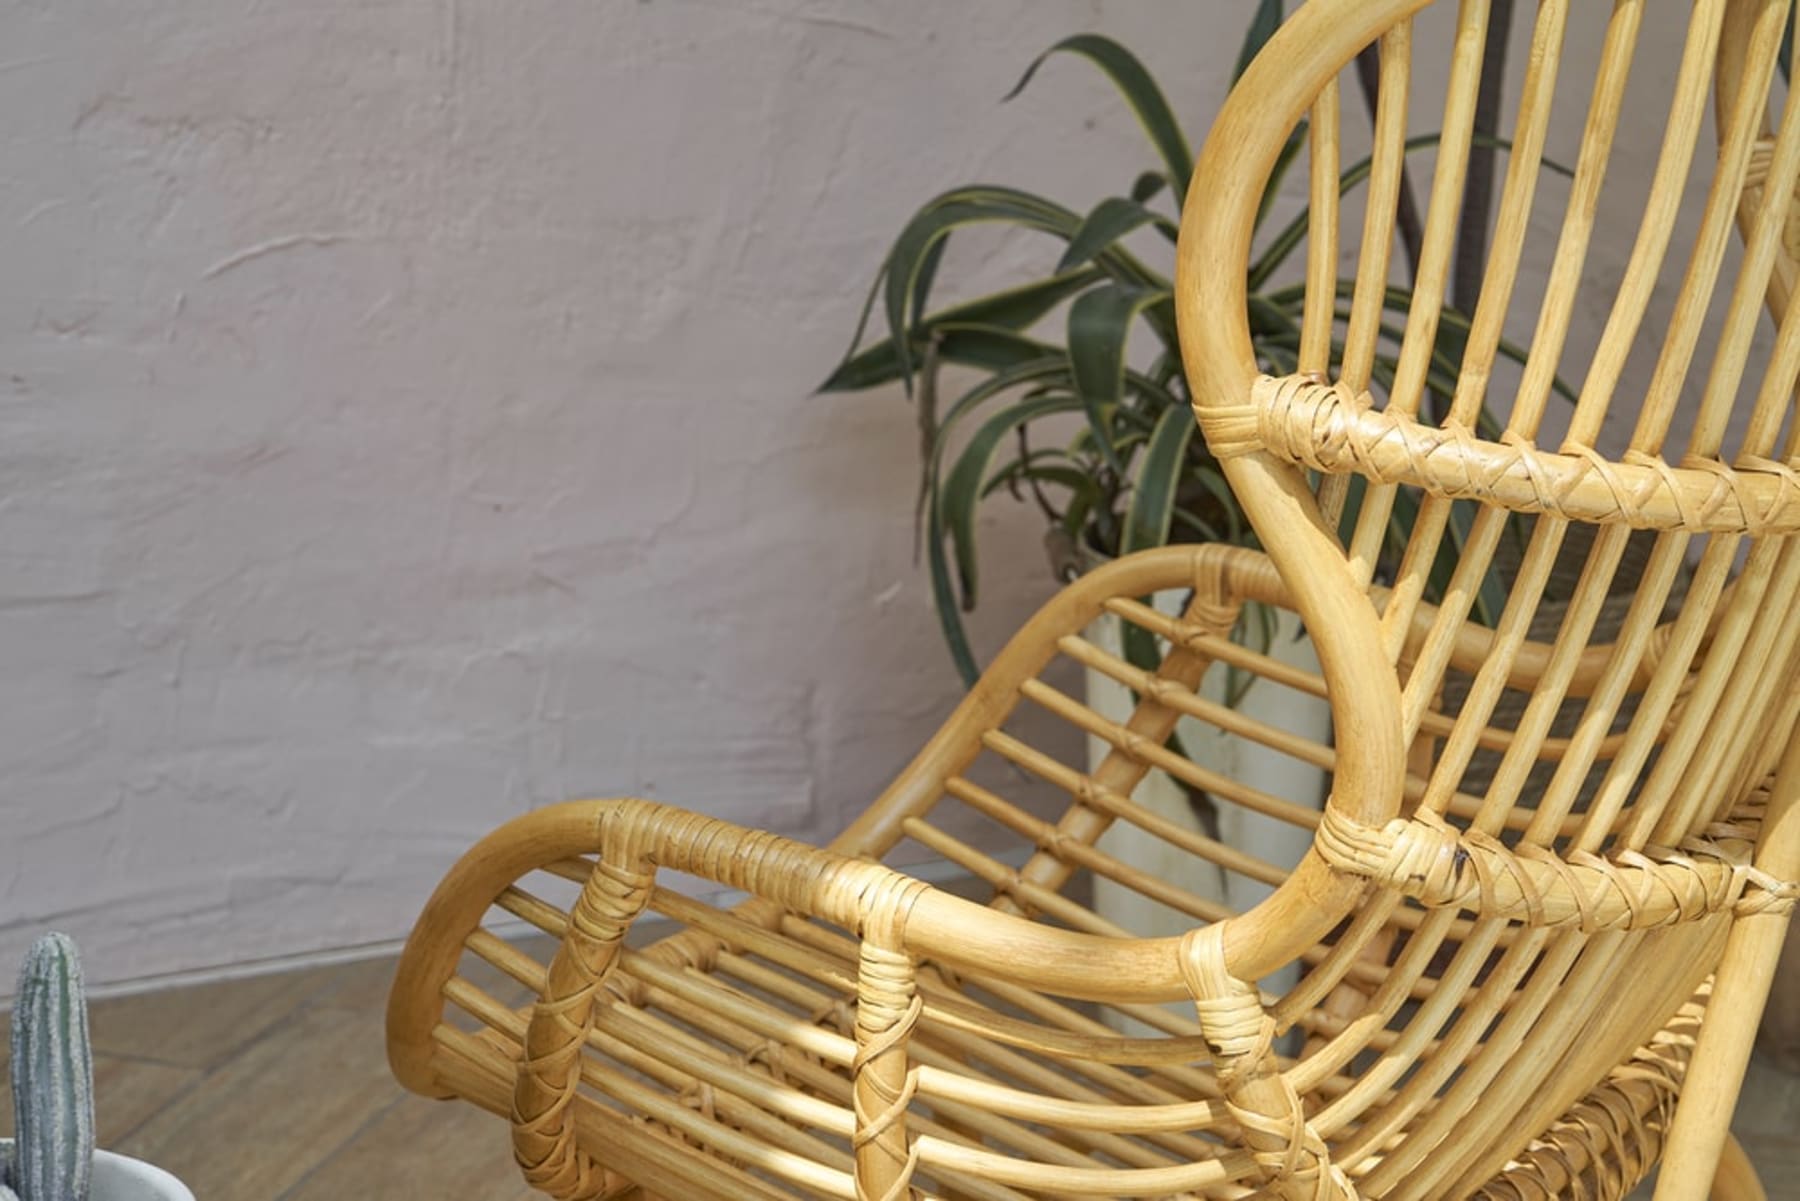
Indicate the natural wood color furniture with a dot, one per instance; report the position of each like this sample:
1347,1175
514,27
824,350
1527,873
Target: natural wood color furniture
1500,995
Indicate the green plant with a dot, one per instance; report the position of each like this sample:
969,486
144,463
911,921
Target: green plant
52,1079
1133,475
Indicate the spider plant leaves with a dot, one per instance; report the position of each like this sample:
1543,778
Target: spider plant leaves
1049,369
1273,317
1159,477
1141,92
954,502
1147,185
977,333
943,596
925,277
950,515
911,264
1262,27
1099,321
1033,470
1105,224
1129,473
1213,480
1043,372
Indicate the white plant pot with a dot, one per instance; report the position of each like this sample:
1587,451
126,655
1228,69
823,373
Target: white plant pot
122,1178
1273,841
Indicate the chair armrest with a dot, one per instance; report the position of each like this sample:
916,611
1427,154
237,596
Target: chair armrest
848,892
898,919
634,838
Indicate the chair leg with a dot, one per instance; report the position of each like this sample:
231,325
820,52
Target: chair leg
1700,1133
1736,1179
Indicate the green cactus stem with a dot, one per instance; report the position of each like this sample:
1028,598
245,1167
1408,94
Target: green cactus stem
52,1076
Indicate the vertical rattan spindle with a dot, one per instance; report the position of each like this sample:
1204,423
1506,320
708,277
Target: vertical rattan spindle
887,1008
550,1061
1700,1131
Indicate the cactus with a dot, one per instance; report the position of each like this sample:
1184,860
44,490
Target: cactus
53,1076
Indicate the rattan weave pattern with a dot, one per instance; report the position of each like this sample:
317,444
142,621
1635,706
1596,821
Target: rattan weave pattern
1524,957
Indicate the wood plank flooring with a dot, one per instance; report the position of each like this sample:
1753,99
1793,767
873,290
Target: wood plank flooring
275,1088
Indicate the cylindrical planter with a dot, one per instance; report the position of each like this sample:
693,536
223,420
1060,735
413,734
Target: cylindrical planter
122,1178
1247,762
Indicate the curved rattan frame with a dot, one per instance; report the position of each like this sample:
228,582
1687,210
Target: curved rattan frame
1570,967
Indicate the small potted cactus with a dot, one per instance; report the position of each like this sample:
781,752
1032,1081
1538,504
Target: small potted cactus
52,1157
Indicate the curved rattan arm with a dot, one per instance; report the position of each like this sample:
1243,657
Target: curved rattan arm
958,933
1305,907
1212,308
634,838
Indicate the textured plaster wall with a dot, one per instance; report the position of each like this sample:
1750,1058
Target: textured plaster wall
405,421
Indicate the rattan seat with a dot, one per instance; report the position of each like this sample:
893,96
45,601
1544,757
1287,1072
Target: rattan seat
704,1035
1538,979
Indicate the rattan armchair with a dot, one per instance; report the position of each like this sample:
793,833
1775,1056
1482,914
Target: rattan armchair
1499,994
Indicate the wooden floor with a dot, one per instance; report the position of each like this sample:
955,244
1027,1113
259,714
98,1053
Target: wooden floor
275,1089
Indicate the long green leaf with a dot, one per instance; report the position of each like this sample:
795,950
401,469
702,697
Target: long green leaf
988,348
915,249
1148,185
925,277
960,491
1159,478
1000,312
1214,482
1049,370
1044,372
943,597
1139,88
1262,27
1193,521
1072,478
1099,321
1105,224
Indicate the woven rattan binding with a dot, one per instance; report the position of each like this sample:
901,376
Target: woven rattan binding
1524,953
